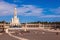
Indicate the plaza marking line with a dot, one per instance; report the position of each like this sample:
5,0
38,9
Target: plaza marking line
35,29
20,38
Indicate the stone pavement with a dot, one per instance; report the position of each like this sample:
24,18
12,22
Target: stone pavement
5,36
51,30
20,38
39,35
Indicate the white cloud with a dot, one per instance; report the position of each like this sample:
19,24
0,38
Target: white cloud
6,9
15,1
26,10
30,10
55,10
50,16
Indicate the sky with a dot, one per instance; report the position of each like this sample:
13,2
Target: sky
30,10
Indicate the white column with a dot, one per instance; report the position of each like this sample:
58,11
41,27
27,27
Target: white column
25,27
6,30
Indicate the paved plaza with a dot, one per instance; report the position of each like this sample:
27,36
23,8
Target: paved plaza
5,36
39,35
31,35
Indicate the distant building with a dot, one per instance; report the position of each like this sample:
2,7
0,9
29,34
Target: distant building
51,25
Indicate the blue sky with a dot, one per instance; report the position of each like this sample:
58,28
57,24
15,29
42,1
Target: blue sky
30,10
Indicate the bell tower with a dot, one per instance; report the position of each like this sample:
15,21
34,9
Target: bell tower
15,12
